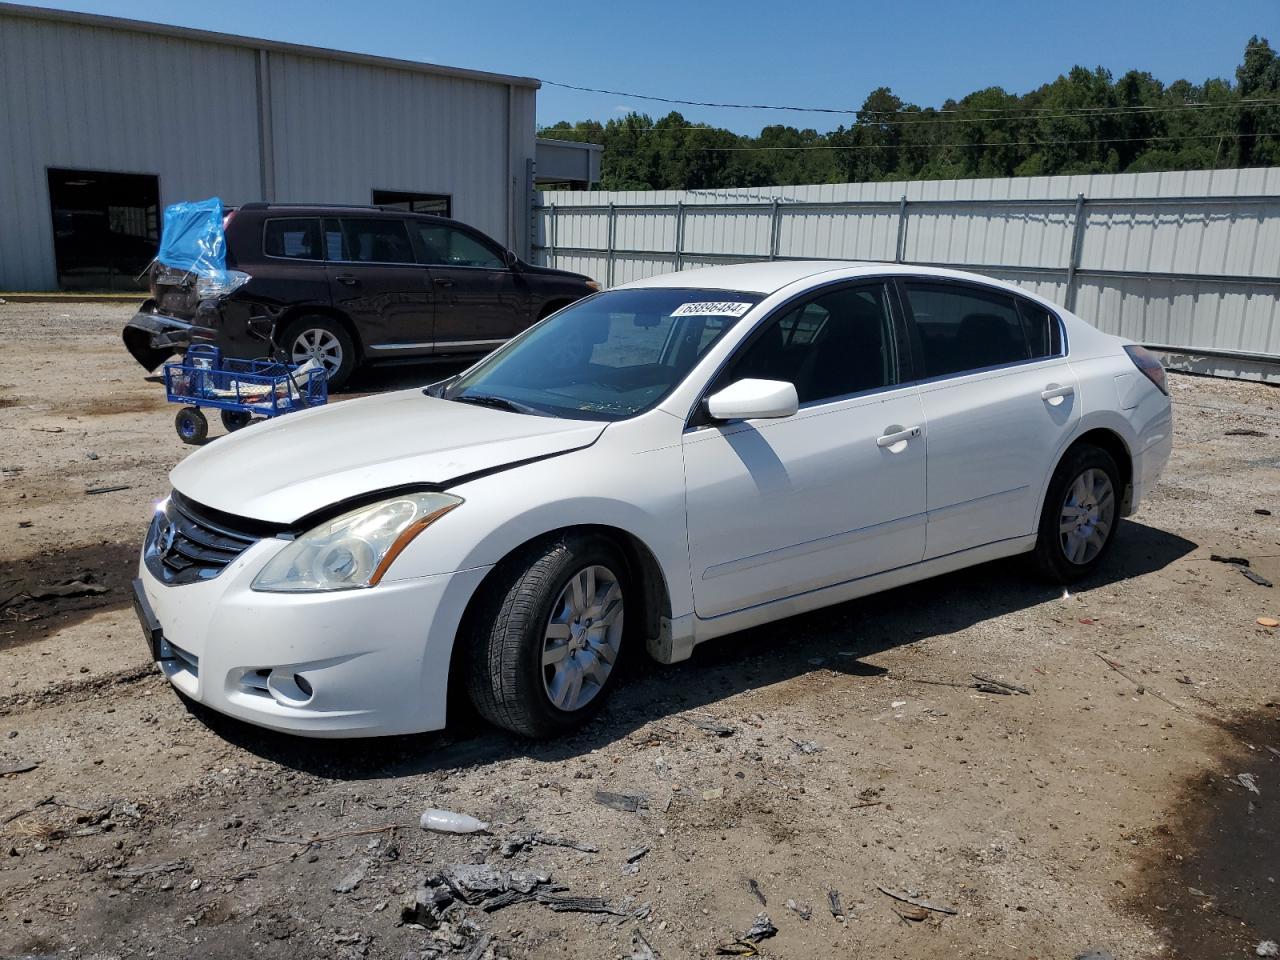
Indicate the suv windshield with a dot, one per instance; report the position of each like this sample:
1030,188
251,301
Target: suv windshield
608,357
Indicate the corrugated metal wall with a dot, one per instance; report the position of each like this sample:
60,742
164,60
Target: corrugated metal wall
1187,260
90,97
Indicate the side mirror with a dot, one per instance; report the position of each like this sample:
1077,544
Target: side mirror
754,399
509,258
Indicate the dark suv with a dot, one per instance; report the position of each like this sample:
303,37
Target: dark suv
352,285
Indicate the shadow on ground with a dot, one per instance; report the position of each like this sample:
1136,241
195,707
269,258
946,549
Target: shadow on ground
720,668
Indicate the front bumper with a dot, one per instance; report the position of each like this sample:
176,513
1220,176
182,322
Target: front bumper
367,662
152,338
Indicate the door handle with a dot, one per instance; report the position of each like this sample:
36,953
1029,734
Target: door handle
898,436
442,281
1055,392
350,279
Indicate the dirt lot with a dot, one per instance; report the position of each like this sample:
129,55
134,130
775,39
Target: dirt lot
1104,810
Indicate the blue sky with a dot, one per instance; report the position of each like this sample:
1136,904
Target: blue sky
804,53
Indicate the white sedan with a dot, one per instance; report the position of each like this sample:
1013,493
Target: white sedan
656,465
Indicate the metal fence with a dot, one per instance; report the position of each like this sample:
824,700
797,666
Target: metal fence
1195,275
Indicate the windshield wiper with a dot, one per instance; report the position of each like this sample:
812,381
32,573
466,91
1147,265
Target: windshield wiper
497,403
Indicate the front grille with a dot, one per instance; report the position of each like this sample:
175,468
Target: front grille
186,545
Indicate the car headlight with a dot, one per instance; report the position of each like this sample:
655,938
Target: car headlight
355,549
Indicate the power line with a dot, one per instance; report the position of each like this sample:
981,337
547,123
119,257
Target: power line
853,112
926,119
990,143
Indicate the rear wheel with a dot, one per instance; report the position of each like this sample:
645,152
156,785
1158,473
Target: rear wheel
1080,514
545,645
326,340
233,420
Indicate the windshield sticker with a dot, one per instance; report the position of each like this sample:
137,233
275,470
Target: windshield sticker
711,308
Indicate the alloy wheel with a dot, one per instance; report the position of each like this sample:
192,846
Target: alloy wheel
582,638
320,344
1087,516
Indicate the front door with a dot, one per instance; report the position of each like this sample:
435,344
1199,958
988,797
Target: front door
836,492
374,278
480,300
999,398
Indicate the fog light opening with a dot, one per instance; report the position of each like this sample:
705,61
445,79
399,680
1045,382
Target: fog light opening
290,690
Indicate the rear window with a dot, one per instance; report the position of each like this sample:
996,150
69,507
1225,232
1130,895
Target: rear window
965,328
1044,333
297,238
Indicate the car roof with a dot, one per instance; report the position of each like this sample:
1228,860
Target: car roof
769,276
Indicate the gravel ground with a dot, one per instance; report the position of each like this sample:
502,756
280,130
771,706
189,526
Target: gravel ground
1103,810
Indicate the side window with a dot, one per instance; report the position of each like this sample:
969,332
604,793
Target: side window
335,248
376,241
296,238
1044,333
963,328
834,345
446,246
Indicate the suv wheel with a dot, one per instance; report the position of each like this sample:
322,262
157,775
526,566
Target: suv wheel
1080,514
548,636
325,339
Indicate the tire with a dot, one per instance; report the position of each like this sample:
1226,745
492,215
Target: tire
508,675
304,336
191,425
233,420
1059,554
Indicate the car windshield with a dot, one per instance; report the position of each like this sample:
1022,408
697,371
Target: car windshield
607,357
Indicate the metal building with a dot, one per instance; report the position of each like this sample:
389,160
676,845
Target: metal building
104,121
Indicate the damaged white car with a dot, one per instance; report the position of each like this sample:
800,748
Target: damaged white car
663,463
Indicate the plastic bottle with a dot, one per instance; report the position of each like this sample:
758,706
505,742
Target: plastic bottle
446,821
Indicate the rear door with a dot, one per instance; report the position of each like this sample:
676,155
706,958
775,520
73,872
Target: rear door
999,401
376,280
479,300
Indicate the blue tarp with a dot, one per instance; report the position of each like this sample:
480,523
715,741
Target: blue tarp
192,239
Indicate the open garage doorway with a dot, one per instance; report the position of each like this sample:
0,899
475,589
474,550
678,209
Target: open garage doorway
106,228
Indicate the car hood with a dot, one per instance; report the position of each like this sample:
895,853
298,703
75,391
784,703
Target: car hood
284,469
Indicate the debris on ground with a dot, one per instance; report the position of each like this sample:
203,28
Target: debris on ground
915,901
835,905
1256,577
1233,561
747,944
1004,684
801,910
641,949
351,880
711,726
756,892
807,747
1243,432
622,802
513,845
1249,782
910,912
93,491
1267,948
1095,953
80,585
446,821
8,767
1268,622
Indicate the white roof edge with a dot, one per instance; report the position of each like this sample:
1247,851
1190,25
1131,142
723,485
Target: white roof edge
580,144
257,43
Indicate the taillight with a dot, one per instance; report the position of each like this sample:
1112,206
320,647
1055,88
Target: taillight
1151,367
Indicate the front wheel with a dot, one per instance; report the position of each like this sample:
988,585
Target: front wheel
1080,514
545,644
191,425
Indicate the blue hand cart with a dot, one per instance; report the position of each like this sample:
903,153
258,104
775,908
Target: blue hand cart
241,389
